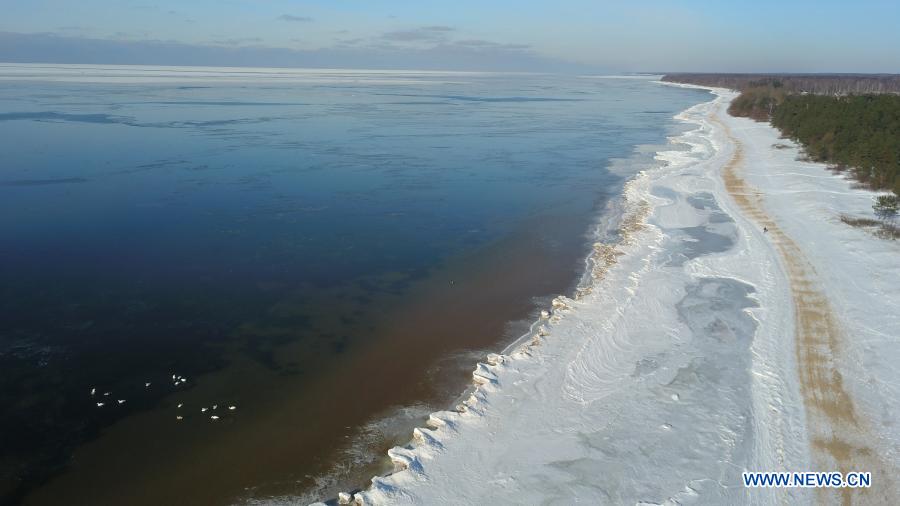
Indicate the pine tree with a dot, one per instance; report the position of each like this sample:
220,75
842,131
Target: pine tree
886,208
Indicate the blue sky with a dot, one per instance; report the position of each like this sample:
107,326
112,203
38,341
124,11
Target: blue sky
614,35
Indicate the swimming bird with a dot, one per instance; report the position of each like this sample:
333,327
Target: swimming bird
106,394
121,401
215,406
147,385
179,417
214,417
203,410
232,408
180,404
99,404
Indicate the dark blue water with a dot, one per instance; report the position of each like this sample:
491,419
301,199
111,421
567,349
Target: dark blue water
154,221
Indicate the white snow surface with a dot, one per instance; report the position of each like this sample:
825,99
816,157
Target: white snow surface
860,273
677,370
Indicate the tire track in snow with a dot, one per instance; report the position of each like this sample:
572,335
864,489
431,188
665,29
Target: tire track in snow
840,437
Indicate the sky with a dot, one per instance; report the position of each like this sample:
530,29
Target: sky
526,35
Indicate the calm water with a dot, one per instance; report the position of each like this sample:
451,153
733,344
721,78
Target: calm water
328,252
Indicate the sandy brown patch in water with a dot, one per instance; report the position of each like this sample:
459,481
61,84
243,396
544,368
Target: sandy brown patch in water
840,437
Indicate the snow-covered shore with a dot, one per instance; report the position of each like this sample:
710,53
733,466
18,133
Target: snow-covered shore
678,369
845,283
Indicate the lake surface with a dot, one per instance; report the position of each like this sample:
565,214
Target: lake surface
329,252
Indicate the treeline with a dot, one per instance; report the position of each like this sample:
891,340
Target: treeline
860,133
818,84
849,121
757,102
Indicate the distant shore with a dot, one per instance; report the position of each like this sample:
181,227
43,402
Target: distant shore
849,121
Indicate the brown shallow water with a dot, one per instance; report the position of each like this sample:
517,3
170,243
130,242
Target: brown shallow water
289,429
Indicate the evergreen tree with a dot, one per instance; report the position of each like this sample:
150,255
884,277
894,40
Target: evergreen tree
886,207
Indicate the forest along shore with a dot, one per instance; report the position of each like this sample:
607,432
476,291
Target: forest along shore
851,122
840,434
722,333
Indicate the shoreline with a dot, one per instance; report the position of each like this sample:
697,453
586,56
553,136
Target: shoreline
443,426
288,410
612,228
786,372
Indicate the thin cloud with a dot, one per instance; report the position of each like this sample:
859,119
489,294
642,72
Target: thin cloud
438,28
295,19
252,51
238,41
487,44
421,34
349,42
